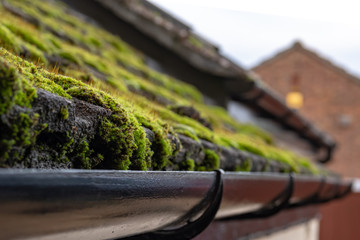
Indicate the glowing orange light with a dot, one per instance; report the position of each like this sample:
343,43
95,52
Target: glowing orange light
294,99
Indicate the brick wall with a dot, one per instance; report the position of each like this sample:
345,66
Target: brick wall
331,101
340,219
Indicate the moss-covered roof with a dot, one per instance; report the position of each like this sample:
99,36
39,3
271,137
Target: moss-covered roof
73,95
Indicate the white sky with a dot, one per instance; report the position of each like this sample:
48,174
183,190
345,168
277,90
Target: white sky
253,30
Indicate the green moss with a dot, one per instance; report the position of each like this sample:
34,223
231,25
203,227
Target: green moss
64,147
69,56
196,42
141,160
117,84
211,161
94,96
245,166
13,88
17,137
95,42
305,163
5,149
201,168
87,94
181,89
9,86
21,132
81,155
31,76
64,112
187,165
186,131
35,55
220,119
53,41
27,36
8,40
116,142
173,118
161,145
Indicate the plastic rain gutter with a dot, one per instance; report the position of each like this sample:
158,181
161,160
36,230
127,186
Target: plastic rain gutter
108,204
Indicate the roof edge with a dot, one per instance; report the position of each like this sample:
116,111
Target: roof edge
299,46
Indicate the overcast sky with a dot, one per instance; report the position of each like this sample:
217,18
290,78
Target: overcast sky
252,31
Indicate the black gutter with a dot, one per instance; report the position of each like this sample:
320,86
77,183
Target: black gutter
107,204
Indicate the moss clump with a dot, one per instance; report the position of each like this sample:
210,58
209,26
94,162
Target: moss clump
18,130
27,36
245,166
81,156
187,165
34,54
161,145
123,143
141,160
186,131
16,137
69,56
305,163
8,39
64,146
116,142
87,94
32,76
211,161
10,85
14,90
64,112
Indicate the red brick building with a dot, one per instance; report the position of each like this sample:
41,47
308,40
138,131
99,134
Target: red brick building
331,99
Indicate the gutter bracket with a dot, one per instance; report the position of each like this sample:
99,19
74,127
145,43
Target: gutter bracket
346,192
337,195
192,228
313,199
276,205
316,199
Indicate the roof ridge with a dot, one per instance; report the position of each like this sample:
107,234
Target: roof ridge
298,46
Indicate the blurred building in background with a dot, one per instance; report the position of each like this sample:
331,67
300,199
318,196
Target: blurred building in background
331,99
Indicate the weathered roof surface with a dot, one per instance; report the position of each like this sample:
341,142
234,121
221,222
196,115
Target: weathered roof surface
182,39
167,31
73,95
183,54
